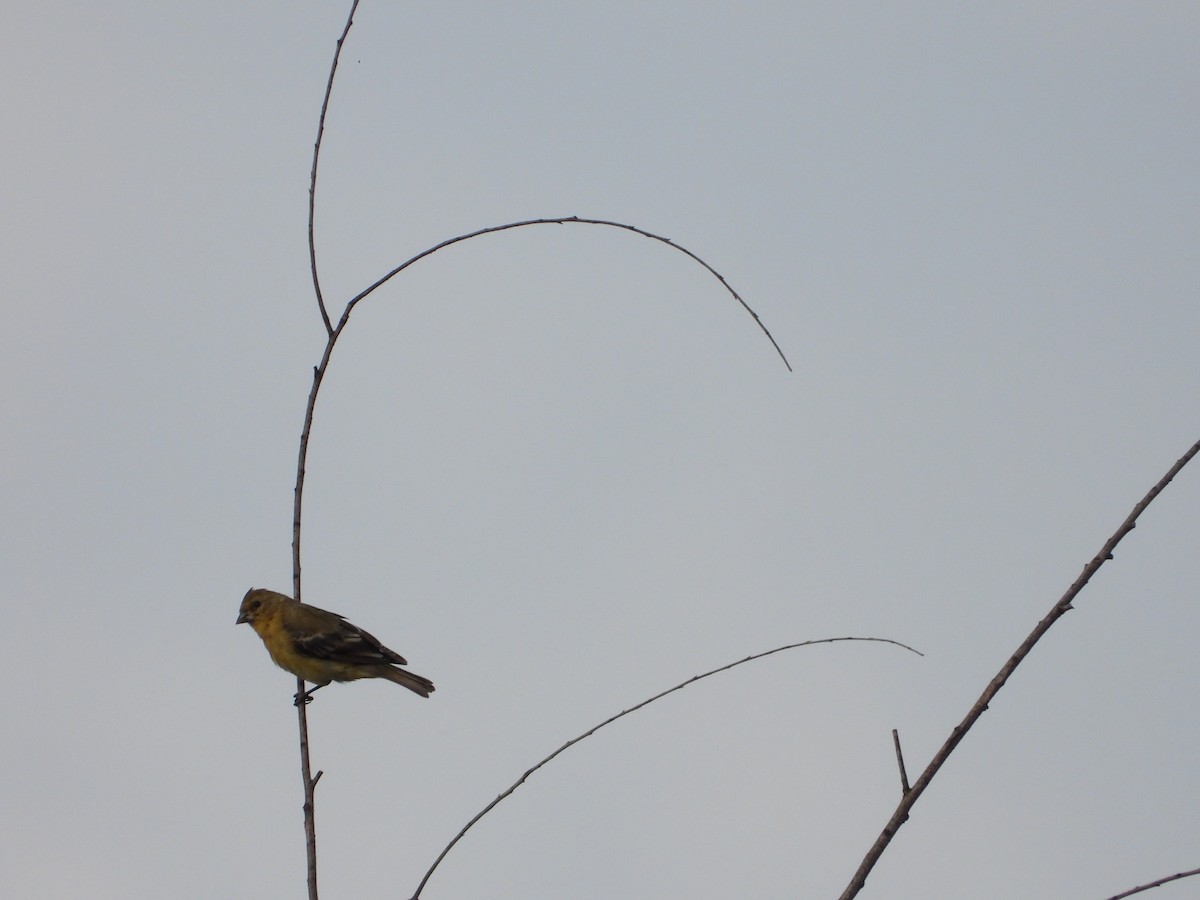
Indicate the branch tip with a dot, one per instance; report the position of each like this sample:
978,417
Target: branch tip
904,788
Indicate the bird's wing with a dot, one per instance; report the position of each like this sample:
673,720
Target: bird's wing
333,638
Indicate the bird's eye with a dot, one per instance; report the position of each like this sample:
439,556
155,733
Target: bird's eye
255,604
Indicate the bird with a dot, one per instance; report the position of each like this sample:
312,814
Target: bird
320,646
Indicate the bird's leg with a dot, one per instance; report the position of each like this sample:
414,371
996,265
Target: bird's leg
306,696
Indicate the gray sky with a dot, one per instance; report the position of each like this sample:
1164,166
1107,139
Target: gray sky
560,470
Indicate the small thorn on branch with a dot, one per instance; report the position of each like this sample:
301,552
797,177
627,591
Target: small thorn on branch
900,762
317,777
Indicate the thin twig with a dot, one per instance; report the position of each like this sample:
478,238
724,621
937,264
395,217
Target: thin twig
312,180
900,763
960,730
1154,884
310,784
301,465
570,220
575,740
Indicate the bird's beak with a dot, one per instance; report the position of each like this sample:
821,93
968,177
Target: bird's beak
242,617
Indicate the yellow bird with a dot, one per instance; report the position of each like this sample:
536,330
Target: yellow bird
321,646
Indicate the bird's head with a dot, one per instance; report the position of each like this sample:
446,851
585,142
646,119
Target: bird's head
255,602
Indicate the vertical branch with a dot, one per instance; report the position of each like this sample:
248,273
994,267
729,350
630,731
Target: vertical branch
904,788
960,730
302,463
310,782
310,785
312,180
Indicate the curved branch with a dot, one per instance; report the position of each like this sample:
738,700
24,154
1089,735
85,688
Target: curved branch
575,740
569,220
900,816
335,333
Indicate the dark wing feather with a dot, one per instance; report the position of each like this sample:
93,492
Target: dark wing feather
337,640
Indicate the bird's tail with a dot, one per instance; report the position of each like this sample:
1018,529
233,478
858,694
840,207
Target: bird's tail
414,682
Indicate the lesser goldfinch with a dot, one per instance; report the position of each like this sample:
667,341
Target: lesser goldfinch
321,646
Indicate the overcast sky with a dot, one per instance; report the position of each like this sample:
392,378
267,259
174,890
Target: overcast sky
560,469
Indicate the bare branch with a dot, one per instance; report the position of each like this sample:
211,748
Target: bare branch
310,783
320,369
302,467
960,730
312,180
575,740
568,220
900,762
1154,884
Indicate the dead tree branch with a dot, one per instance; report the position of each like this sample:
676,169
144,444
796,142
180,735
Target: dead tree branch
960,730
1154,884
